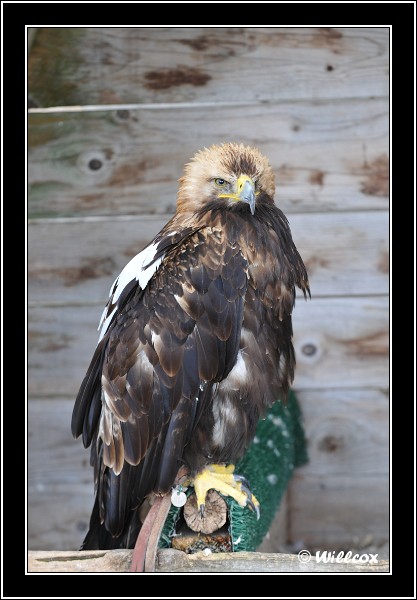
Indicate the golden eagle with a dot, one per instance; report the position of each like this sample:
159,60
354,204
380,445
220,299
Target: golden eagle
195,345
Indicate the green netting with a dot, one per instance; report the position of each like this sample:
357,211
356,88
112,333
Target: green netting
278,447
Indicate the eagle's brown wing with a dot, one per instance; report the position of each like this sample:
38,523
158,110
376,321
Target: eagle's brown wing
154,369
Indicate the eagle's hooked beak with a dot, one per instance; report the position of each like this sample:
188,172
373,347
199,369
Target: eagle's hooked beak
246,191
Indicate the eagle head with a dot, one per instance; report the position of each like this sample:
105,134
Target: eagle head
226,174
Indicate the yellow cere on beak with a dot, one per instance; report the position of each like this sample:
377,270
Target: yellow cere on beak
244,191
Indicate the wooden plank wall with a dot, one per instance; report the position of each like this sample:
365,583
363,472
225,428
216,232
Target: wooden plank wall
113,116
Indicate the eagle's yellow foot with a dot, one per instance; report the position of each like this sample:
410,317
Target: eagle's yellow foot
222,479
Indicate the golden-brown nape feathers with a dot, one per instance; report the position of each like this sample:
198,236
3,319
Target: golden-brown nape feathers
226,161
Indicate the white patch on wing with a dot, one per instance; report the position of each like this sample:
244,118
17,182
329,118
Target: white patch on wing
141,268
137,269
105,322
148,269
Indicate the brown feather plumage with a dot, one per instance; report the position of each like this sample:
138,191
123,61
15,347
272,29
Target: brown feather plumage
189,363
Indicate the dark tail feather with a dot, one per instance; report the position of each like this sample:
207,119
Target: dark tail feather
98,538
87,405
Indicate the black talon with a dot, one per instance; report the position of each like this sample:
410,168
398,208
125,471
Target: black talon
245,487
247,491
254,508
243,480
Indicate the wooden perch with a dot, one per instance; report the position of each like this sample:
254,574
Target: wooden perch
175,561
215,513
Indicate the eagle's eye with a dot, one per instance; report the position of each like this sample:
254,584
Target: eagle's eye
221,182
